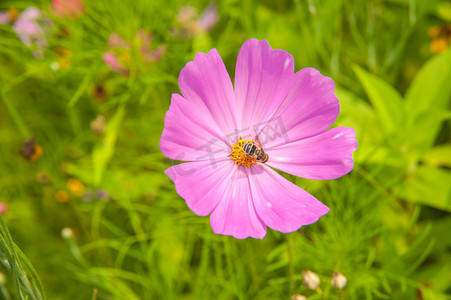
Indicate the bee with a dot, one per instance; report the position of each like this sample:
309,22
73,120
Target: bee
255,149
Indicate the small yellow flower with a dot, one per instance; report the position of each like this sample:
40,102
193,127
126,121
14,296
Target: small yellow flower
125,57
441,38
31,150
64,64
13,13
434,31
64,57
76,187
61,196
37,153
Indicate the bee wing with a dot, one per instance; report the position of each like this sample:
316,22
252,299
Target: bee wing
257,141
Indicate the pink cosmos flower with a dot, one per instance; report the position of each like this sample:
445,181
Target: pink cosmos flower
288,112
5,18
32,27
67,8
148,55
190,23
118,57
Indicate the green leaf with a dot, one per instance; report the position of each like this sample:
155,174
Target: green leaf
431,88
356,113
26,281
438,273
421,134
439,156
376,154
385,99
104,152
429,186
440,233
83,85
202,42
444,11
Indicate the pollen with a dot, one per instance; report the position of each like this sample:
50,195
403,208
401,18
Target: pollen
239,156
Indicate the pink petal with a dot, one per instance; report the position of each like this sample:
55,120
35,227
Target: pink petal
69,8
235,214
116,41
5,18
27,27
310,108
262,80
190,134
186,14
325,156
279,203
150,55
113,62
144,37
202,184
206,84
31,13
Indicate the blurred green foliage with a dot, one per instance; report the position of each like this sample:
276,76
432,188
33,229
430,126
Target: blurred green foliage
132,237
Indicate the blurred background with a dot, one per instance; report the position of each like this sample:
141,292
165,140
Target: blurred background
84,88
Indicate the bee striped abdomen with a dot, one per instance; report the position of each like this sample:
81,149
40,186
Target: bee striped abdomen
249,149
262,156
253,150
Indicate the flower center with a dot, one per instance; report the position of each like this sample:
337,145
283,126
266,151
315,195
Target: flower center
239,156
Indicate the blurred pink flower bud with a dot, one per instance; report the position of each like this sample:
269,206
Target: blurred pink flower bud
209,17
3,208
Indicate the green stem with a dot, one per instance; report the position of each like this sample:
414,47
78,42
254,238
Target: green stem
15,116
290,251
290,262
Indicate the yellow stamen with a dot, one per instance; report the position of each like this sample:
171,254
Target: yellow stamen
239,156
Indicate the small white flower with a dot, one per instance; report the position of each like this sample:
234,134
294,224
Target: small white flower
311,279
55,66
338,280
67,233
